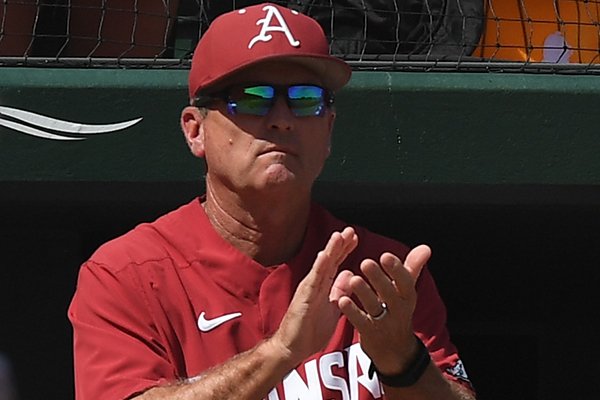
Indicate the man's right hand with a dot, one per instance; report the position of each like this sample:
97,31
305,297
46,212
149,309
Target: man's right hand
311,305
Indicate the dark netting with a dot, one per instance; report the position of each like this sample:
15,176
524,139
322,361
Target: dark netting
498,35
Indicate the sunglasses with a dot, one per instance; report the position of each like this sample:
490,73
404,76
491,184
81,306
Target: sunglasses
303,100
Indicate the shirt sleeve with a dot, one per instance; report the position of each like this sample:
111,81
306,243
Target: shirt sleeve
117,350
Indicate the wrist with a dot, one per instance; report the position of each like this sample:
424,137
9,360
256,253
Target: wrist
280,355
411,374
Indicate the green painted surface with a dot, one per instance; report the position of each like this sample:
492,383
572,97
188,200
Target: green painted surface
392,128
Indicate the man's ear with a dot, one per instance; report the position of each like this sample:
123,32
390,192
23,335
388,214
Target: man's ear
192,125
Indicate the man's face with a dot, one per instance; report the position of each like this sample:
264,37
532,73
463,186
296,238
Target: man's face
278,151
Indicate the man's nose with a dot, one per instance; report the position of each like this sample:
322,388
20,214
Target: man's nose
280,116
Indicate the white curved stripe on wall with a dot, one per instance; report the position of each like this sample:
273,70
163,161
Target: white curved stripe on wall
35,132
46,124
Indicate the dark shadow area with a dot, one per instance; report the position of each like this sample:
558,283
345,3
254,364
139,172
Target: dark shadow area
517,279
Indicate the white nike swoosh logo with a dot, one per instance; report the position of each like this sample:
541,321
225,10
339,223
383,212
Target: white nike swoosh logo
206,325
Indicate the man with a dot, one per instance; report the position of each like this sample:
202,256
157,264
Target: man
253,291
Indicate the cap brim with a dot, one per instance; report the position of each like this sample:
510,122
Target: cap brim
333,72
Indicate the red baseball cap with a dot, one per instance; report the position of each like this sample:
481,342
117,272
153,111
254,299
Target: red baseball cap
260,33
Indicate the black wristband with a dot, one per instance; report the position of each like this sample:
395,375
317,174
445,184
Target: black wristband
412,374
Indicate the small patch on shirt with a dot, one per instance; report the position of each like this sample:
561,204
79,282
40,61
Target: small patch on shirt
458,371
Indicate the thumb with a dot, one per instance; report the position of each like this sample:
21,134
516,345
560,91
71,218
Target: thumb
416,260
341,286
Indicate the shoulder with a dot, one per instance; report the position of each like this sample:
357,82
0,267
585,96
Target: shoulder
166,238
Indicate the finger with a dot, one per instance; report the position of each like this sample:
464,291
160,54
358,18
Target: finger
340,244
369,298
338,247
416,260
379,280
350,241
341,286
406,274
357,317
324,267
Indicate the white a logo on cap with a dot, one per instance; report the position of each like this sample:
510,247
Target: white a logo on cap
266,22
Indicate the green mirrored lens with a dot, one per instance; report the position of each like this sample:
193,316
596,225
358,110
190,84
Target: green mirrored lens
265,92
306,100
255,100
303,100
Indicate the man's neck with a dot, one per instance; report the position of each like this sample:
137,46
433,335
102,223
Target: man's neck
269,229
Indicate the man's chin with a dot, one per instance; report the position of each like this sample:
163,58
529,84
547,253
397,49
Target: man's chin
279,174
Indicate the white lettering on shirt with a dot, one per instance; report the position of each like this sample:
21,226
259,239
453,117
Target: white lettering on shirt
330,381
295,387
356,358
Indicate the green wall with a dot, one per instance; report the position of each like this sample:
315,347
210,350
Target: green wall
409,128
